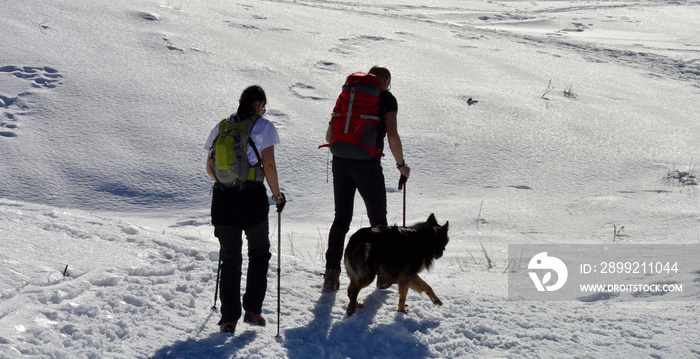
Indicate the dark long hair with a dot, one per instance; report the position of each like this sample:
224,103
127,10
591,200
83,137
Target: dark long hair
249,96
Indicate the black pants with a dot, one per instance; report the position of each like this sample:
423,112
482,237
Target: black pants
234,211
230,254
350,176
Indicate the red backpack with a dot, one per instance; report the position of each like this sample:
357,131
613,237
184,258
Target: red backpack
355,130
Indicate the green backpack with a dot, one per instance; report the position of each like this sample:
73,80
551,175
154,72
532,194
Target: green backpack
229,158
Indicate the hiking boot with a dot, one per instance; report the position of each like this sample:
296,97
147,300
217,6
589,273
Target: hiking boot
253,319
228,327
332,281
383,282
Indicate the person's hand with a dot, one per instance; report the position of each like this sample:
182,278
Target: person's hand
405,173
402,181
280,201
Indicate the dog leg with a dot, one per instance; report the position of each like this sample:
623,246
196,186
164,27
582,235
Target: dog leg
353,291
420,286
403,291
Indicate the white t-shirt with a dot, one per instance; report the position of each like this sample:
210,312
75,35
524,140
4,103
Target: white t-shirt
263,134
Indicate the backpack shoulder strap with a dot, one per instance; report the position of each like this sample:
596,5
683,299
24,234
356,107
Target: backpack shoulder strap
250,140
255,149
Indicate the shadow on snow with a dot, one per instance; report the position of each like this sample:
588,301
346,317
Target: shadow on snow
352,337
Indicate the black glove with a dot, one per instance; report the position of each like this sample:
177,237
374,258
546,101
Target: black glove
281,202
402,181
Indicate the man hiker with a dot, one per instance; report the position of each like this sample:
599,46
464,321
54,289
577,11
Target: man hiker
366,177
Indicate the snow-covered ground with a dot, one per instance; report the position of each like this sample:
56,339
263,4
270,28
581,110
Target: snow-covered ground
584,115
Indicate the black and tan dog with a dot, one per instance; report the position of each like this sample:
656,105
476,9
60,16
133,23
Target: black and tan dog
398,254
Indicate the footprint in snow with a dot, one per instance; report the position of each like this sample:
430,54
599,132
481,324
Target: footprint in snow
520,187
147,16
305,91
40,77
349,45
11,105
326,65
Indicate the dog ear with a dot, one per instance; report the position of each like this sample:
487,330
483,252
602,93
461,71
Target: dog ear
432,220
445,227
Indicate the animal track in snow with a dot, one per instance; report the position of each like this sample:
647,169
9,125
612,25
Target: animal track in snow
11,105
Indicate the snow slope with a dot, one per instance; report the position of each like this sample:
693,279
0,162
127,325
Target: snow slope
105,106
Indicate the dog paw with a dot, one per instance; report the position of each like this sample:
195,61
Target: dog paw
351,311
437,301
403,310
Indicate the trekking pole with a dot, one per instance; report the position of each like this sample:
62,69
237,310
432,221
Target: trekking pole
216,291
279,270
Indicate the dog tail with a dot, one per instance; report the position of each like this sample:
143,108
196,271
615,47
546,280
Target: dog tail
356,264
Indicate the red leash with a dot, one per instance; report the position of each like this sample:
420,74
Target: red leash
404,204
